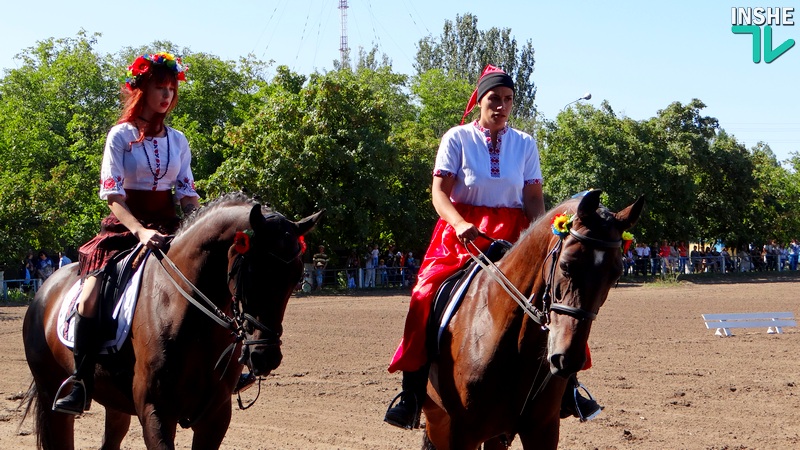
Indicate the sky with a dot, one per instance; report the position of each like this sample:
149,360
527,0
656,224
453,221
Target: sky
638,56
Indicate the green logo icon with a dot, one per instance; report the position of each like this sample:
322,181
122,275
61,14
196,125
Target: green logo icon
770,54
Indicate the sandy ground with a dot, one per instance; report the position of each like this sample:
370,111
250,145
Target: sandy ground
666,382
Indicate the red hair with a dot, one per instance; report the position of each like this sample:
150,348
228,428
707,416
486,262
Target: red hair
134,100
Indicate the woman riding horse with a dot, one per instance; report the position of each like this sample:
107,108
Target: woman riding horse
143,161
487,179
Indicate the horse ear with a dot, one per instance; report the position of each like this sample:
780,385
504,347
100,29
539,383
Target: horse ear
308,224
257,219
628,217
587,208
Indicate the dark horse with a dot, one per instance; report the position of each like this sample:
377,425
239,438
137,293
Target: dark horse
493,379
167,373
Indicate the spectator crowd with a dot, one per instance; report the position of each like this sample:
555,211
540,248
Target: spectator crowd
677,258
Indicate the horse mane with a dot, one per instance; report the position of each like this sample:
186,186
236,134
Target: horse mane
223,201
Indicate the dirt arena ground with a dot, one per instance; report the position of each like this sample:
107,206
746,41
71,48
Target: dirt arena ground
666,381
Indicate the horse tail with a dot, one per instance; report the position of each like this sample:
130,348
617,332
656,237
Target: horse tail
31,401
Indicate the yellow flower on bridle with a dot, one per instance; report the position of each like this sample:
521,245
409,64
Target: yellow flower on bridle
561,224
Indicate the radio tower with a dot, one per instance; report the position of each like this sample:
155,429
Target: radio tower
344,51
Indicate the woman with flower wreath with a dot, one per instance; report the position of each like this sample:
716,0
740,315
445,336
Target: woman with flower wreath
143,162
486,180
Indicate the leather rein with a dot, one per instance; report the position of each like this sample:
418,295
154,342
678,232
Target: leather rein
542,316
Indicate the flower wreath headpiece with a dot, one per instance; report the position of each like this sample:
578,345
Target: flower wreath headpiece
144,63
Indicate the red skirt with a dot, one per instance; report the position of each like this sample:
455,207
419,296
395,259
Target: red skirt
153,209
446,254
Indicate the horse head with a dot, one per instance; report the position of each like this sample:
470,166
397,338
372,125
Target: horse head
264,266
585,264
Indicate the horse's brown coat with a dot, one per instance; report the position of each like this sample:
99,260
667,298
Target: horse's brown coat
495,355
166,373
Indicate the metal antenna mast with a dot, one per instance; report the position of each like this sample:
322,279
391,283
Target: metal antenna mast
344,50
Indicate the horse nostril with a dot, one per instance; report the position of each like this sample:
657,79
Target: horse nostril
557,361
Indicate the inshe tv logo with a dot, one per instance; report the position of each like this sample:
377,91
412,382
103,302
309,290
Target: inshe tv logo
751,20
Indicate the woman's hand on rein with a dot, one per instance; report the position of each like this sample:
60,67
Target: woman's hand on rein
152,239
466,231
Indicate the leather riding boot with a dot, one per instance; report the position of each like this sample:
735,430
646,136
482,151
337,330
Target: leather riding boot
406,414
80,397
575,404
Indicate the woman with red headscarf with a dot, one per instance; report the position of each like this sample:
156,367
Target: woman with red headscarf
143,162
486,179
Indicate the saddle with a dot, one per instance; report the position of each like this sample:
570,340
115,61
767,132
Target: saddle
450,294
114,277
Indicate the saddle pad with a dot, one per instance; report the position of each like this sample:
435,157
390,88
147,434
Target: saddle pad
455,300
123,313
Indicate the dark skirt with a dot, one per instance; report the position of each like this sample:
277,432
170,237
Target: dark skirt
154,209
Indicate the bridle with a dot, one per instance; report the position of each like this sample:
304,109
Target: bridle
241,323
241,318
542,316
555,254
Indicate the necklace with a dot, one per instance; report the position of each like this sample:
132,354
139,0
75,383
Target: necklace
157,174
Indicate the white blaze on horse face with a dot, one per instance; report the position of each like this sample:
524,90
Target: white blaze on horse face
599,255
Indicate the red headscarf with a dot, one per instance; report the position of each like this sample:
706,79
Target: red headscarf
491,77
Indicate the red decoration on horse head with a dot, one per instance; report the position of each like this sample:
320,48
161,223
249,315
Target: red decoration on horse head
241,242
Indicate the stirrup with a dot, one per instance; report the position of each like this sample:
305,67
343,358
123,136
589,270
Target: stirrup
575,394
415,420
75,381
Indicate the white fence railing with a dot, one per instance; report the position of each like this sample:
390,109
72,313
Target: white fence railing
718,264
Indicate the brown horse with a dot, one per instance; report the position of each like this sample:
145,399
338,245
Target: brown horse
502,367
168,373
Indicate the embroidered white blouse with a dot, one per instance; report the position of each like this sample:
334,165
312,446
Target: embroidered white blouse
487,176
156,164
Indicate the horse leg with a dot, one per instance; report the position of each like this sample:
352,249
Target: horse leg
211,429
117,425
541,436
158,433
496,443
441,433
437,428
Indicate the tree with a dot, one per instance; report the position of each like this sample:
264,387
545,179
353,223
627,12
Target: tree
55,111
462,51
771,212
588,148
327,146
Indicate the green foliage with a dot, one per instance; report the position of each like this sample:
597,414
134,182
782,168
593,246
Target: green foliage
329,146
462,51
54,114
361,144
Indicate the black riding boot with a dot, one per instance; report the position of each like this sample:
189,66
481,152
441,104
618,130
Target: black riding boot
80,397
574,404
406,413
